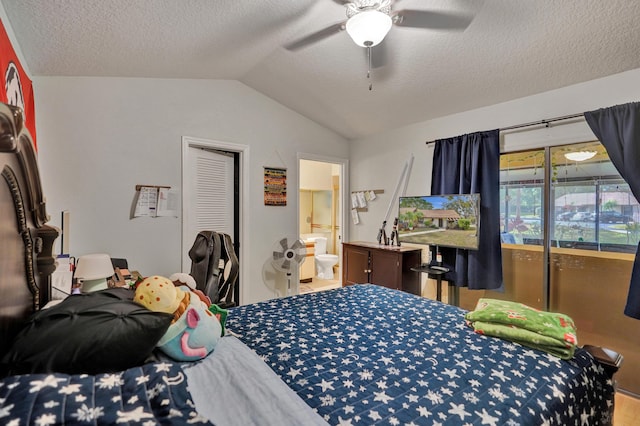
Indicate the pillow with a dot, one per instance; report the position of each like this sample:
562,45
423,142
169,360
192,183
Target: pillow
98,332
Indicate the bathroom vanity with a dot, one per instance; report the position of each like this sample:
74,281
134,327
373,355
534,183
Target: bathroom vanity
308,268
388,266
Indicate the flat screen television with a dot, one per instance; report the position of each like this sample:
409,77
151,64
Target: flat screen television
440,220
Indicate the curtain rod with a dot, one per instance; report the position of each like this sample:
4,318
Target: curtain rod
533,123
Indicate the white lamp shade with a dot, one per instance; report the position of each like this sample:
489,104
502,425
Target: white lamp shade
368,28
94,266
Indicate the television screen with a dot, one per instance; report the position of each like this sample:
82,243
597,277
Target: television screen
440,220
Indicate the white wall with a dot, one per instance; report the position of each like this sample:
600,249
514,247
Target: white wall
316,175
99,137
389,151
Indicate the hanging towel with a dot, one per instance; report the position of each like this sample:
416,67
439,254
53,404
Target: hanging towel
354,200
354,216
551,332
362,201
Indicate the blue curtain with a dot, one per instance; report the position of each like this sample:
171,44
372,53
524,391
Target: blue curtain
618,128
471,164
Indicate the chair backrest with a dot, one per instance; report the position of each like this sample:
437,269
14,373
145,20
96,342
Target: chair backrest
230,269
214,266
205,259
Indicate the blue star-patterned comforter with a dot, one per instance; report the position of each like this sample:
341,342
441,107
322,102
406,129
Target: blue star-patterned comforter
148,395
364,354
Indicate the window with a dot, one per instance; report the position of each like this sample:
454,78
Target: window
591,207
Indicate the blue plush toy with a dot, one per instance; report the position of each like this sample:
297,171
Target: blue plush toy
195,330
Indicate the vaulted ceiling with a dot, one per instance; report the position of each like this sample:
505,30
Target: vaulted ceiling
510,49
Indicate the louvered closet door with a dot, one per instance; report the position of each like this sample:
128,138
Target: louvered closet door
211,194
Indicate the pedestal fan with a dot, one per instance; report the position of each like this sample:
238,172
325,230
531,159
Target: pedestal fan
288,254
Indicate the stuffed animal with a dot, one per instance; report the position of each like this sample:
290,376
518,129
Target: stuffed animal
182,279
158,294
195,330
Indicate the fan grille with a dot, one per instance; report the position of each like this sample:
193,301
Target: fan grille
285,257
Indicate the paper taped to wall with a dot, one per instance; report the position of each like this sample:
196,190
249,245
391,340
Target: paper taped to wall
155,201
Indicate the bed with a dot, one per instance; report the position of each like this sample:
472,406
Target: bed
358,355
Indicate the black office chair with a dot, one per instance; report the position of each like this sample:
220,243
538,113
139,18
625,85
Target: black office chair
229,278
213,279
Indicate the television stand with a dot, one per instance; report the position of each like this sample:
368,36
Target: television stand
388,266
436,272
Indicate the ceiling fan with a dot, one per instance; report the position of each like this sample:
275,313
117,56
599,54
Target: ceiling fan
369,21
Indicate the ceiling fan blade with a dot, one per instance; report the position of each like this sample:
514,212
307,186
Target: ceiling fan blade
315,37
431,20
342,2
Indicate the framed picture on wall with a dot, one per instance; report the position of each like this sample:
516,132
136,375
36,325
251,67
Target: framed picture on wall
275,186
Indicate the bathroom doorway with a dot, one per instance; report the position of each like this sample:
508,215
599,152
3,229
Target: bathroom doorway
321,191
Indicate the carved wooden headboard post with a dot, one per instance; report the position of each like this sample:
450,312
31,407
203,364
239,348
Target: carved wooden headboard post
26,243
45,236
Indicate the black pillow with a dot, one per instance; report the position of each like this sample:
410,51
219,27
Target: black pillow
99,332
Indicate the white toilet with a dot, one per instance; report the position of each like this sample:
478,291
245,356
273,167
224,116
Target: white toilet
324,261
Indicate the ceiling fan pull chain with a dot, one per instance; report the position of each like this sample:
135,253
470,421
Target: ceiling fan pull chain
369,69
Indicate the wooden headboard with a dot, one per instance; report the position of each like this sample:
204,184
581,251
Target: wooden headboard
26,259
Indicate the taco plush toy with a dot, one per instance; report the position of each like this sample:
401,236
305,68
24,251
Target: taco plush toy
195,330
158,294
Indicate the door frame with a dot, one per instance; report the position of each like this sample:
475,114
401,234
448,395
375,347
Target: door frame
344,185
243,224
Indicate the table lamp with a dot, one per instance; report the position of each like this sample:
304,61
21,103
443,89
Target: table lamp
94,270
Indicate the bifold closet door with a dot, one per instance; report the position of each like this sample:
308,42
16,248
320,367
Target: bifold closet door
210,189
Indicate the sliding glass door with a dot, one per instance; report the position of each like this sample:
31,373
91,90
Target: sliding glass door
583,266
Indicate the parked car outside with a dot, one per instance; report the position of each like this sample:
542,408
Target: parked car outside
581,216
565,216
614,217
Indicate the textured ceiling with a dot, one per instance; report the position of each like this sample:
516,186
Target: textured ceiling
511,49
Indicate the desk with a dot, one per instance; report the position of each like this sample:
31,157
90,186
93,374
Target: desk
434,273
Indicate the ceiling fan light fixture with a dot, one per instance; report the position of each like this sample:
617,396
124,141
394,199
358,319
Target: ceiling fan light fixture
368,28
580,155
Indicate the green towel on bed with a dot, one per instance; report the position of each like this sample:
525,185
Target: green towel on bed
551,332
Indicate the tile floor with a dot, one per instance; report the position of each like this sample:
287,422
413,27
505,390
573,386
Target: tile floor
318,285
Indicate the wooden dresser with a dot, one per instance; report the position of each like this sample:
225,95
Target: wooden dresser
388,266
